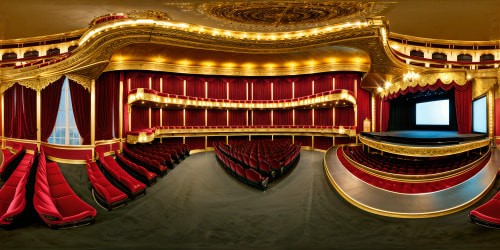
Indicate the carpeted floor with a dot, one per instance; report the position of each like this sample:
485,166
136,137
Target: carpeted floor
199,206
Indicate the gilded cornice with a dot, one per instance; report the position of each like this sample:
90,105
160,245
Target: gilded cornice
144,97
82,80
98,44
416,151
482,85
237,71
425,79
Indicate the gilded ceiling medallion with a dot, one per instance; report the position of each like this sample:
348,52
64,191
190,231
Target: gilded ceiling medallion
286,15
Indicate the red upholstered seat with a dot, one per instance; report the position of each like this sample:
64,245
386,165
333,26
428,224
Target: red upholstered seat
132,187
54,200
106,193
140,172
487,214
13,193
254,177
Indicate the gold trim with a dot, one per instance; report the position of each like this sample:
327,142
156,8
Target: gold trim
417,178
395,214
416,151
66,161
92,112
107,142
67,147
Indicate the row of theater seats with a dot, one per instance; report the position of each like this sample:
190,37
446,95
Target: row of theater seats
125,177
409,165
488,214
249,176
193,98
11,161
13,194
259,162
54,200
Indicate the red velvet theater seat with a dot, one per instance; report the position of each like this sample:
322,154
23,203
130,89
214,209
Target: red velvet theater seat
488,214
105,193
10,162
137,171
54,200
256,179
13,193
132,187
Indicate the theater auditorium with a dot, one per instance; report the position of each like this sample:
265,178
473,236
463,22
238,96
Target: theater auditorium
250,124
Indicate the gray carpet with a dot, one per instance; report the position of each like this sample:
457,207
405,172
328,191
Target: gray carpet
199,206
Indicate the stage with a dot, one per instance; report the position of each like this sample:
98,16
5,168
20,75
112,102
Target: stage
423,137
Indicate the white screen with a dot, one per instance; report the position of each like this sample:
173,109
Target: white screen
479,118
433,113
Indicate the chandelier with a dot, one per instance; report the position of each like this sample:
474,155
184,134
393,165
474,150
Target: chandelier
410,76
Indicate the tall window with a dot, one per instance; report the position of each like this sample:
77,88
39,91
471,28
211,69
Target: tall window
65,131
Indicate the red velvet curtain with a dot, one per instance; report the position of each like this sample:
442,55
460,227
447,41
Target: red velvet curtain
173,117
10,109
303,86
216,117
137,79
217,89
107,104
156,82
345,81
323,83
237,118
140,118
51,96
238,89
386,107
80,99
28,116
195,117
363,102
173,85
282,89
262,89
155,117
261,117
195,87
463,106
344,116
283,117
323,117
303,117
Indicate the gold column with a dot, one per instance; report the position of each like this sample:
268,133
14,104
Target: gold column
184,87
120,114
272,90
246,90
312,111
374,112
333,83
38,118
293,117
92,113
161,108
355,107
129,109
149,109
206,117
272,117
312,89
293,90
227,90
184,117
206,89
491,115
333,116
227,117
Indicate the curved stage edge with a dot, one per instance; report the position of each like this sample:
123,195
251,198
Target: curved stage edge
424,205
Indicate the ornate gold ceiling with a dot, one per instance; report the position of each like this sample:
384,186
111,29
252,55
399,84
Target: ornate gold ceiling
283,15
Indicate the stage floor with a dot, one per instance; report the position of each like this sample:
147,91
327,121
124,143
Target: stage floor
403,205
423,137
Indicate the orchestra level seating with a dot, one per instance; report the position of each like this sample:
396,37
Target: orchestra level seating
54,200
488,214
